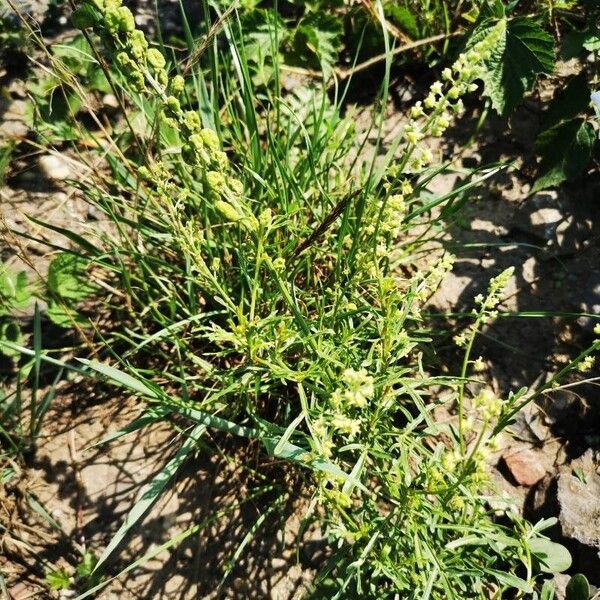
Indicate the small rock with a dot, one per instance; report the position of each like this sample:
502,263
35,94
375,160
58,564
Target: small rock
279,563
12,124
55,167
546,221
110,101
524,466
528,271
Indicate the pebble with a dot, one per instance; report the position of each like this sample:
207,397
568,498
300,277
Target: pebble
525,467
55,167
110,101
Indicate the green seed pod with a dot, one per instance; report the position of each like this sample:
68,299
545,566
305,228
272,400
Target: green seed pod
215,181
172,106
155,59
191,122
210,138
177,85
228,211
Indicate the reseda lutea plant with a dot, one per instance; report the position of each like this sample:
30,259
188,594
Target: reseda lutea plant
272,277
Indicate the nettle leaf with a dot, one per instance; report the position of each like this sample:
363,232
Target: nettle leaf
15,291
260,39
403,18
566,150
524,51
67,277
317,40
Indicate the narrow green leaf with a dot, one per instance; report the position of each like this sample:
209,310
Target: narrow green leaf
122,378
152,492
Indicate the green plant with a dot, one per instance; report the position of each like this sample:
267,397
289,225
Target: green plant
55,108
274,277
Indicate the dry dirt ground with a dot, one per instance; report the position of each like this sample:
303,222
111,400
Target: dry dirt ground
550,465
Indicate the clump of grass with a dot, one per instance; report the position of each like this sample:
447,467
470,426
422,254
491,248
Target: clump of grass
270,273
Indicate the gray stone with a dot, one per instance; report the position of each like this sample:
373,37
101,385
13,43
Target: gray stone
578,495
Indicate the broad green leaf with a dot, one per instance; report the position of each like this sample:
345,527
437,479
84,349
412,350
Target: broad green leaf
566,150
64,316
403,18
317,40
67,277
592,41
10,332
578,588
14,289
552,557
512,581
524,51
264,32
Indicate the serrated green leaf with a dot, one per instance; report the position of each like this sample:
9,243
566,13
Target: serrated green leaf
317,40
58,580
566,150
578,588
86,566
14,289
64,316
67,277
259,27
523,52
592,41
403,18
551,557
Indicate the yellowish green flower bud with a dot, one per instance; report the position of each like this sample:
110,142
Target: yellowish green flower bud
210,138
155,58
216,181
228,211
236,186
144,173
119,20
137,81
138,45
177,85
191,122
172,106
